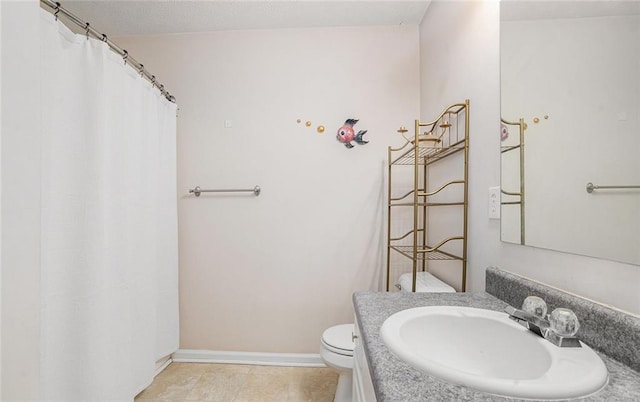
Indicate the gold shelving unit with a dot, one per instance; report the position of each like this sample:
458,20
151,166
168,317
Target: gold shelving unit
519,195
431,143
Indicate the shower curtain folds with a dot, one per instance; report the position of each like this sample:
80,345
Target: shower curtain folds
109,259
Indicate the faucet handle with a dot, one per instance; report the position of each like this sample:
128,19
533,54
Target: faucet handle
520,315
536,306
564,322
528,320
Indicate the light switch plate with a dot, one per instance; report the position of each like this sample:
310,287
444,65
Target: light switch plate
494,202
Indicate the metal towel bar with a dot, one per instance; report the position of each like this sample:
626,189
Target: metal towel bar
197,191
591,187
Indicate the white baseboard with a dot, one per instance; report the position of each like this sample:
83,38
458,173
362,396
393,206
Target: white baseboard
256,358
162,364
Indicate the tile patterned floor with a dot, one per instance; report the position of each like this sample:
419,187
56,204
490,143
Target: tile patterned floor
241,383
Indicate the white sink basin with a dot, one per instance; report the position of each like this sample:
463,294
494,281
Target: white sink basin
485,350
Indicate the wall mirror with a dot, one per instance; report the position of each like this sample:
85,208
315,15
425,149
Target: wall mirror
570,110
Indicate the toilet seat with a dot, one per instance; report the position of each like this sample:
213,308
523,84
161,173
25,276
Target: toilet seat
336,351
339,339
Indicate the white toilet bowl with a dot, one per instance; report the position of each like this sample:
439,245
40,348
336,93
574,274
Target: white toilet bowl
337,352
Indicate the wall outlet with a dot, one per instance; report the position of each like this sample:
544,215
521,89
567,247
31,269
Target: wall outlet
494,202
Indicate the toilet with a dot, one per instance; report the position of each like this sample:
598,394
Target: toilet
336,351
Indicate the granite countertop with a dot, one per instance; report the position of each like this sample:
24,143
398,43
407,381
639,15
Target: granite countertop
394,380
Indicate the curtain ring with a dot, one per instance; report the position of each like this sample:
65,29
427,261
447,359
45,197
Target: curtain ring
141,69
86,30
104,38
55,14
153,80
125,55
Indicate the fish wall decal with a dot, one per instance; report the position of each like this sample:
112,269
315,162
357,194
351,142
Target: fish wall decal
346,134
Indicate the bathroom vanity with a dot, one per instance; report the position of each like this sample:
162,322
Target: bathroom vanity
362,383
380,375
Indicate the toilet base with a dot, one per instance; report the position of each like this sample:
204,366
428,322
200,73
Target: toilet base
344,389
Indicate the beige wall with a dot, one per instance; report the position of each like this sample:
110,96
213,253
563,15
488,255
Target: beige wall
0,221
270,273
459,45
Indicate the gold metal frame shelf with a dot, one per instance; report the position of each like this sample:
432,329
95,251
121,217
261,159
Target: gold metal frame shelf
522,126
428,253
432,141
407,251
425,155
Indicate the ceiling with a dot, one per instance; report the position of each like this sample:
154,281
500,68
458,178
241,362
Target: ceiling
119,18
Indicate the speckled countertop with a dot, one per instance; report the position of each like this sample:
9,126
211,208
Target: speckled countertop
394,380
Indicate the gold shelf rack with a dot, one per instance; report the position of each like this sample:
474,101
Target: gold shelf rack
519,195
432,142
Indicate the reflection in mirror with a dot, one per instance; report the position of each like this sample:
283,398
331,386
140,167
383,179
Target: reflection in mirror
570,109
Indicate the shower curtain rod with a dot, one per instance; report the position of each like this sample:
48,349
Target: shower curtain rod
57,8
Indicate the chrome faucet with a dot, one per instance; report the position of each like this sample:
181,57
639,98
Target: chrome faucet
559,327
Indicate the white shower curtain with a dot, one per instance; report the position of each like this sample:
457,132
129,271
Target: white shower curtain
109,289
